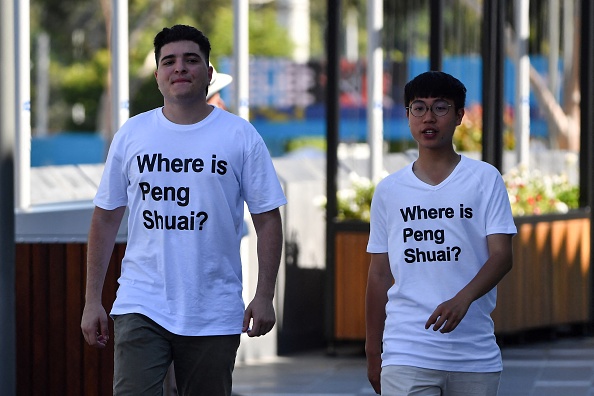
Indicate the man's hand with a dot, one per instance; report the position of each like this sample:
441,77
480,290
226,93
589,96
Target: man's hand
374,371
261,313
102,235
94,325
448,315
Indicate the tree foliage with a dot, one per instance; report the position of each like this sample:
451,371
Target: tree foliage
79,58
79,55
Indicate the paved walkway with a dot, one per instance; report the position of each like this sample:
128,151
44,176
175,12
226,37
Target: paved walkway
564,367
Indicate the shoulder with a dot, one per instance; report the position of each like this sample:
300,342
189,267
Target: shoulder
221,114
397,177
482,177
232,122
239,130
133,128
480,169
144,116
395,184
141,119
477,164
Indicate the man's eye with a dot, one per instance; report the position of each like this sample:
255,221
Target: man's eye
441,107
418,107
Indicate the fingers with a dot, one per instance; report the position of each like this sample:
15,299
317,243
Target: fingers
376,385
89,332
375,382
444,320
95,338
260,328
104,336
101,341
438,321
432,320
262,317
91,336
247,316
374,371
94,327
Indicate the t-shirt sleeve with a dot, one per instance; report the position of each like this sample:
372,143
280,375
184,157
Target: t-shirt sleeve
261,187
112,190
378,233
499,215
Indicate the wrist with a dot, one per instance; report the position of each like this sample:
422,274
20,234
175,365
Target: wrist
269,296
373,350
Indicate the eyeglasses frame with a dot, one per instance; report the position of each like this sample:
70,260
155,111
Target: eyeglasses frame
427,108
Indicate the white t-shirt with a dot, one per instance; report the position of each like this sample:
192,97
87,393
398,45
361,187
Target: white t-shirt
185,187
435,237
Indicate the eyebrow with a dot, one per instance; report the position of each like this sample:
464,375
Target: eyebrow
436,99
185,54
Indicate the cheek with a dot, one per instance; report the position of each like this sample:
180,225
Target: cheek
160,82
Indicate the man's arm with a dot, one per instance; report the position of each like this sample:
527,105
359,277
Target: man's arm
378,282
270,243
102,235
449,314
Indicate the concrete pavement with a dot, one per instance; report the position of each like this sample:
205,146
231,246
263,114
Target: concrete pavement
560,367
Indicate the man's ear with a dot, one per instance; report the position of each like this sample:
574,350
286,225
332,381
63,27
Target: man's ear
460,114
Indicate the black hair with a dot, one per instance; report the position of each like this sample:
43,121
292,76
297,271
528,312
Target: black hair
435,84
181,33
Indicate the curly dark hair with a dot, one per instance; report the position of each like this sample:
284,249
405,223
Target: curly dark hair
181,33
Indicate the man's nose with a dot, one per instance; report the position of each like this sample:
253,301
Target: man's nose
180,66
429,115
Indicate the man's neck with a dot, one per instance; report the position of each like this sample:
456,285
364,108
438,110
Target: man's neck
434,168
186,114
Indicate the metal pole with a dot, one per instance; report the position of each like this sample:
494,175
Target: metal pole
568,32
587,125
554,46
375,88
332,137
23,111
586,115
119,52
522,120
493,14
436,35
241,55
7,221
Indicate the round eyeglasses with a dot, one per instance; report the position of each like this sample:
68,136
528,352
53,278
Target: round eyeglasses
418,108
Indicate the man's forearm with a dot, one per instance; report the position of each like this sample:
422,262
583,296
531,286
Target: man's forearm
500,262
376,297
375,317
269,249
102,234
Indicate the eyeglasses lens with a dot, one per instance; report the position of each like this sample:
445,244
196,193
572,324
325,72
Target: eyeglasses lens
439,108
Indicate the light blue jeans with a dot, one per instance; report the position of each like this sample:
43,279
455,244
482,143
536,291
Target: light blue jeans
415,381
143,352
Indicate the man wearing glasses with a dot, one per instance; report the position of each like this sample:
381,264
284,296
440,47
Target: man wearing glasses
440,242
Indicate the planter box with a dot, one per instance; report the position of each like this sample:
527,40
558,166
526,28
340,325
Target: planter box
550,282
548,286
351,268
